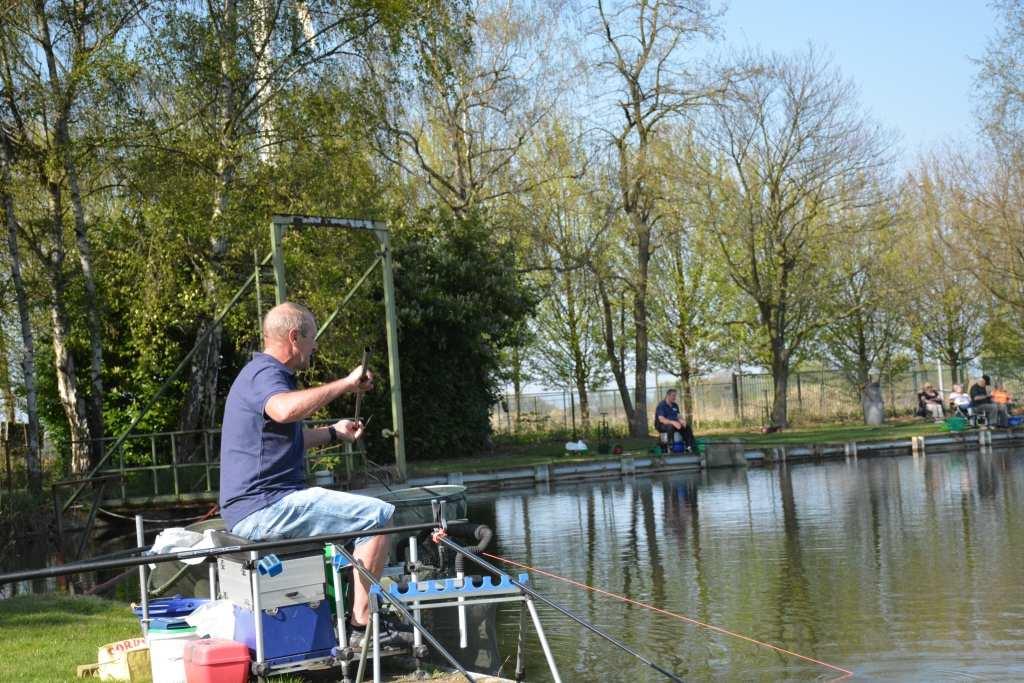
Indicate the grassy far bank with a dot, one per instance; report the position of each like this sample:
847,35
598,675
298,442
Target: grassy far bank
535,453
45,637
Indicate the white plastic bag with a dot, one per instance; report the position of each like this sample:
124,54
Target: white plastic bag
215,619
176,539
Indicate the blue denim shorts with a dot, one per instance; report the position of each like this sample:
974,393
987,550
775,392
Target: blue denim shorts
315,511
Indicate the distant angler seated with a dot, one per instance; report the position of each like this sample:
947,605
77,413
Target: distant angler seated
669,423
981,399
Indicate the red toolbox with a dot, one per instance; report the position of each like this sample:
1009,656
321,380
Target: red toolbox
212,660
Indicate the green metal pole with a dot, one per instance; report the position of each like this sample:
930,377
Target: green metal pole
259,297
276,233
392,334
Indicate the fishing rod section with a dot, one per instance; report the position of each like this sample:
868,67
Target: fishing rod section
205,553
442,539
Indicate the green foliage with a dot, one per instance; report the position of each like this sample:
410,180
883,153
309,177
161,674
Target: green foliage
460,302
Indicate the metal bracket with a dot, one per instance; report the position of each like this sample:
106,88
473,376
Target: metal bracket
437,506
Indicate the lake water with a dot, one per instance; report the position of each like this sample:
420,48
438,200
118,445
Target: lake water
893,568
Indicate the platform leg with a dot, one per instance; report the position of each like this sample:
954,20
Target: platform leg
375,618
339,610
460,579
213,578
417,637
543,640
520,644
257,611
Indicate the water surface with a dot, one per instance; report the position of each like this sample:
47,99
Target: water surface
895,568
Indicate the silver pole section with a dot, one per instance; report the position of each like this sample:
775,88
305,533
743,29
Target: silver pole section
414,558
213,578
460,580
257,611
280,289
375,616
140,539
543,639
339,607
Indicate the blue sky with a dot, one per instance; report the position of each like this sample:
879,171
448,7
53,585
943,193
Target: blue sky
910,58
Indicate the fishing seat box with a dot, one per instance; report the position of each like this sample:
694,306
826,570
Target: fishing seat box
295,616
212,660
301,579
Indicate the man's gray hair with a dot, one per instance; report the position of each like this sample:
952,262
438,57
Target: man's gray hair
283,318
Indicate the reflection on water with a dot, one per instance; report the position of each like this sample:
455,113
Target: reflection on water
896,568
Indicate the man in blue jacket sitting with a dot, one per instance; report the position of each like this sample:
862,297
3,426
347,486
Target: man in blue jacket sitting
669,422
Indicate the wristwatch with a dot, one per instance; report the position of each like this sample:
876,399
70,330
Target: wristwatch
333,432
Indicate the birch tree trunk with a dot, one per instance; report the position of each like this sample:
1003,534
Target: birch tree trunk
63,96
71,398
199,408
28,359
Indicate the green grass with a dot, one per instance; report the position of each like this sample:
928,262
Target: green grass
45,637
901,428
524,456
537,452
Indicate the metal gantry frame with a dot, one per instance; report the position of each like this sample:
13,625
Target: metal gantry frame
279,223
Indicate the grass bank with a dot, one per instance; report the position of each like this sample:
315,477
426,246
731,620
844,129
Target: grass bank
537,452
45,637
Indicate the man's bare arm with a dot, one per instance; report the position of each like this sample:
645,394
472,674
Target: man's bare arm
347,430
292,406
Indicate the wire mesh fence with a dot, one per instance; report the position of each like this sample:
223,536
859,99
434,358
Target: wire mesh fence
738,399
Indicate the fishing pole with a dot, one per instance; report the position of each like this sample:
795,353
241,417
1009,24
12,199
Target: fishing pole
537,596
120,563
362,378
406,614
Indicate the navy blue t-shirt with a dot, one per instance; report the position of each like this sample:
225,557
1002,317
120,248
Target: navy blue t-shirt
669,411
260,460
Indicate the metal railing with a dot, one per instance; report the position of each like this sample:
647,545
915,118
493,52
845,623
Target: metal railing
185,465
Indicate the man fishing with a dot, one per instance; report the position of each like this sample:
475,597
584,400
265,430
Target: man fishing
669,422
263,491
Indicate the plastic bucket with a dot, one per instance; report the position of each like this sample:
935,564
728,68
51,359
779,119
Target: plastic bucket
167,639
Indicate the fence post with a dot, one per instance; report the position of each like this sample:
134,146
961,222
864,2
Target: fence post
508,411
174,465
799,394
735,399
564,409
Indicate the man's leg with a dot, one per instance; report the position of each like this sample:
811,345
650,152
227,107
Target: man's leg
371,553
688,440
664,437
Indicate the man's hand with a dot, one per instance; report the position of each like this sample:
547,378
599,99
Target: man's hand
360,381
678,424
349,430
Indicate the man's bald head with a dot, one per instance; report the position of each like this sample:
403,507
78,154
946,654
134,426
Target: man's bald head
282,319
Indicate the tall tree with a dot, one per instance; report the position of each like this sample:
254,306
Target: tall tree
798,154
44,103
950,323
563,227
878,292
33,463
642,45
691,300
474,91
